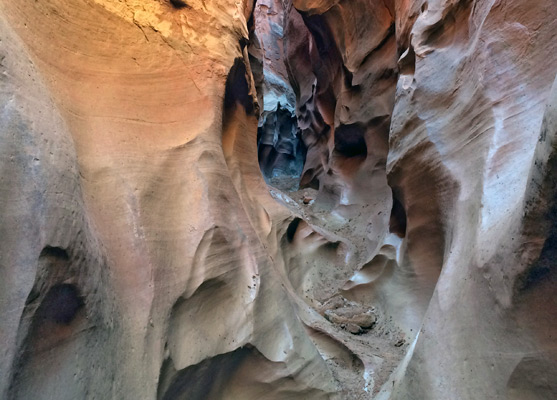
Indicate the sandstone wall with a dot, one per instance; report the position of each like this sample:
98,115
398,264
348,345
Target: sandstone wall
136,258
465,135
143,255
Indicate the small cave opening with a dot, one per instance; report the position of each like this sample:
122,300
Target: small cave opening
350,141
61,304
292,228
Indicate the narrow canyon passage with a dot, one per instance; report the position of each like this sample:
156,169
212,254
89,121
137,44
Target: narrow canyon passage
278,199
344,249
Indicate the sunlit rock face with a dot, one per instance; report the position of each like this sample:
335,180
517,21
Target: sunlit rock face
143,255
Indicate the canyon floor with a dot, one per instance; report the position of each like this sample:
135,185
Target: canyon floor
371,355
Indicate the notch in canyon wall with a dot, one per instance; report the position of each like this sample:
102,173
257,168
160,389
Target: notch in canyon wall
239,109
54,313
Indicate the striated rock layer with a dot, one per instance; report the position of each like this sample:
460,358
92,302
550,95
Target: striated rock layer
143,255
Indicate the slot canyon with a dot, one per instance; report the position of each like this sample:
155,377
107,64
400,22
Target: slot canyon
278,199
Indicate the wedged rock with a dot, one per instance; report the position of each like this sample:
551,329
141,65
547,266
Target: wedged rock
353,316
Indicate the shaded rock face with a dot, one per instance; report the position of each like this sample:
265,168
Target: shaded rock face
281,152
144,256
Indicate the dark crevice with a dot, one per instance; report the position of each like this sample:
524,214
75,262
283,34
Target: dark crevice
350,141
251,19
309,180
544,269
61,304
397,221
321,34
179,4
292,228
207,379
55,252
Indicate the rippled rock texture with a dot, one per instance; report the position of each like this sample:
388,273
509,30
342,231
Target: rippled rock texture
143,256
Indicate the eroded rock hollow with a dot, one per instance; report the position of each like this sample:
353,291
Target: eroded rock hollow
278,199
